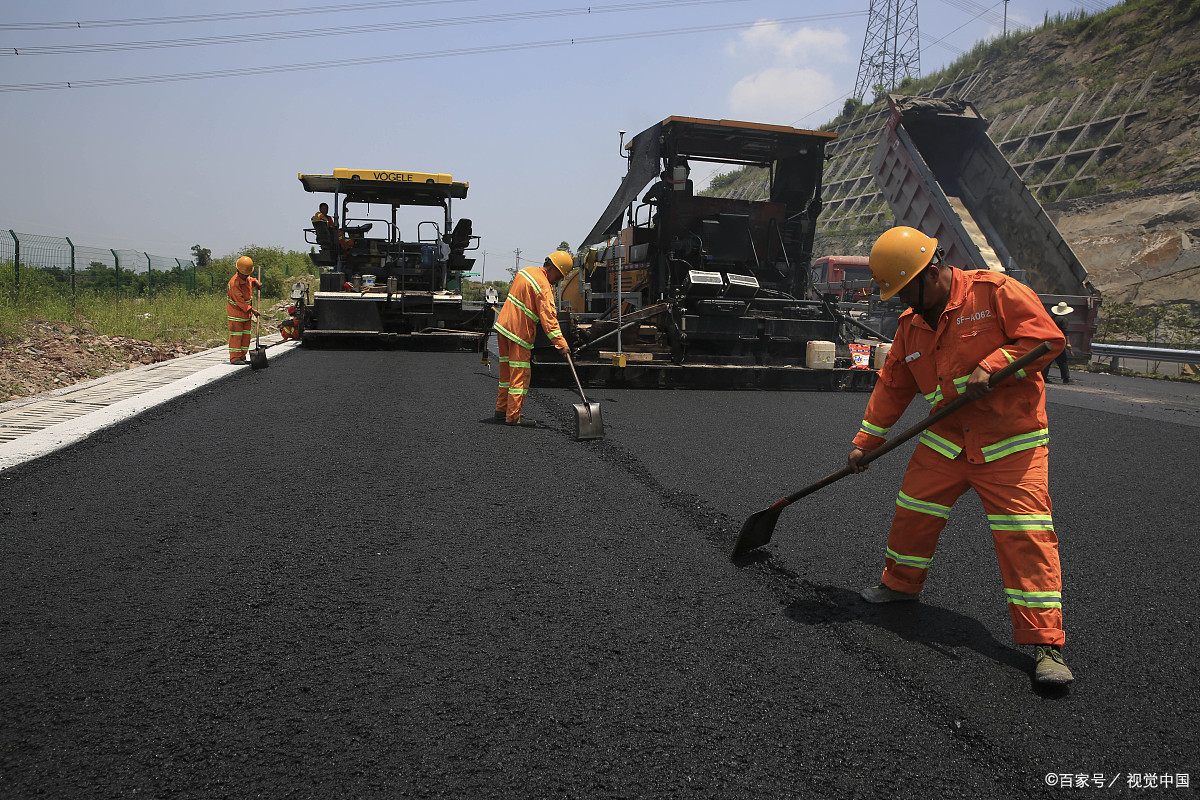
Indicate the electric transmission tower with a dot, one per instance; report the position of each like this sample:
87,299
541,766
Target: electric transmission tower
891,50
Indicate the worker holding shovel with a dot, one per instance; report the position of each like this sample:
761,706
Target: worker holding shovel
961,328
530,303
239,310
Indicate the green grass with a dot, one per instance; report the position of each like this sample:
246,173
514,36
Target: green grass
171,316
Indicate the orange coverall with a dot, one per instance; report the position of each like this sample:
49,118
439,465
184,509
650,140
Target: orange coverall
237,311
530,302
996,445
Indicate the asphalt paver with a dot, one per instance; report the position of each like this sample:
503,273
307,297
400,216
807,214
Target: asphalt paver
339,577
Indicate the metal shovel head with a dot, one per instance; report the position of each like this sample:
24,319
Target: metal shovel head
757,530
258,358
589,424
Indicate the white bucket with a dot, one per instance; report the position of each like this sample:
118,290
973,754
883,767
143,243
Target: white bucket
820,355
368,281
881,354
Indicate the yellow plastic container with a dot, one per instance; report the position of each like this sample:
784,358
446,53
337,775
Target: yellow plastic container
820,355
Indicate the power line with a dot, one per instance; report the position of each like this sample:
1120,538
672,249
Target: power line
91,83
221,17
243,38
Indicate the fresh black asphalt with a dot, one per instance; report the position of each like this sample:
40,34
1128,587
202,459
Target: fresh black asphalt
339,578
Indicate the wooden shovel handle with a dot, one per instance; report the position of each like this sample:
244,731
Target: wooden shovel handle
932,419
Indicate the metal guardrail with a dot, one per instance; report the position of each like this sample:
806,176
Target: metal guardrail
1145,353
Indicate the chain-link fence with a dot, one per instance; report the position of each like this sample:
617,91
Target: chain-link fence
31,262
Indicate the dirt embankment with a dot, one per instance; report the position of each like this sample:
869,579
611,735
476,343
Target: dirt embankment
50,355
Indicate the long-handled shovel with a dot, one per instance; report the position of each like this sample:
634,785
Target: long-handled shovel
593,426
258,356
758,527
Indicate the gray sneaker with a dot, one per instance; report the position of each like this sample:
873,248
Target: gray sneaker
882,594
1050,669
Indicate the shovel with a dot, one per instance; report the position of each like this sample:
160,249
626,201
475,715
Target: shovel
258,356
589,424
758,528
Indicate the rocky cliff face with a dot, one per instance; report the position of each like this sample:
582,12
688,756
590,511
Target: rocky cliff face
1140,247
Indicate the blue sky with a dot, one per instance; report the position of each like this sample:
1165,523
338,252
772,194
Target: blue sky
533,124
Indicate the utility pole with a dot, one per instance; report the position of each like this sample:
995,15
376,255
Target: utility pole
1005,19
891,47
516,262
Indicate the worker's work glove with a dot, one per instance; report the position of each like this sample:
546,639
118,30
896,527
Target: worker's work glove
852,461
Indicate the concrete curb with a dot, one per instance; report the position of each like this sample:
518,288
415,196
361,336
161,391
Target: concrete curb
46,441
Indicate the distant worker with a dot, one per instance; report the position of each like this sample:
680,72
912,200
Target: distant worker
959,329
530,303
288,329
240,309
322,215
1060,312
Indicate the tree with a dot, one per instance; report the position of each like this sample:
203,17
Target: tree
202,254
564,245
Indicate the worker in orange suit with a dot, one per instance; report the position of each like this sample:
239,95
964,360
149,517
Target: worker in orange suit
530,303
289,328
240,310
959,329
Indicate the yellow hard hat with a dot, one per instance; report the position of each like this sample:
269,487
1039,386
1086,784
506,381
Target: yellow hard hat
562,260
245,265
898,256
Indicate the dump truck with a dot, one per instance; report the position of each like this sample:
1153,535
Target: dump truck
941,173
673,288
391,266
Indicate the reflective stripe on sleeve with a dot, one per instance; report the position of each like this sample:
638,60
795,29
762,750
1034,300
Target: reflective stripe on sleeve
1015,444
922,506
1020,373
524,309
873,430
532,282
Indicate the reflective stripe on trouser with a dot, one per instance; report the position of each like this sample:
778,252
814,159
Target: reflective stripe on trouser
239,333
1016,498
515,369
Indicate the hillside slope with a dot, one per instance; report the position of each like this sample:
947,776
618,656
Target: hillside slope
1099,115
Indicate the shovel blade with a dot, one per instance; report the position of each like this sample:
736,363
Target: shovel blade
757,530
589,423
258,358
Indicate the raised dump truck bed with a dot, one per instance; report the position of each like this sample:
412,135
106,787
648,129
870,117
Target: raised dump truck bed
941,173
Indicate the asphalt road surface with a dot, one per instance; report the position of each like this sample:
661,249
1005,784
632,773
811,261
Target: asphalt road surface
339,578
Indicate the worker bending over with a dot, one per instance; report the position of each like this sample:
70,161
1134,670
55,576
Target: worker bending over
961,327
240,309
530,303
